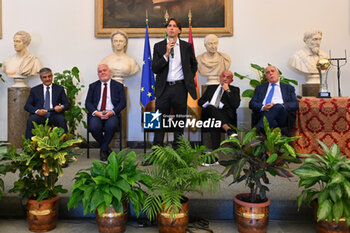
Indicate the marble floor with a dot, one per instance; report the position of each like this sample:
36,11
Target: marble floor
89,225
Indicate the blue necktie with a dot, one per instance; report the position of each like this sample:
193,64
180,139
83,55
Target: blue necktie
47,101
270,95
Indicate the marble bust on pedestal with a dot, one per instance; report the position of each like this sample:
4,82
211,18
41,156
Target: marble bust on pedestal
22,64
120,64
306,58
212,63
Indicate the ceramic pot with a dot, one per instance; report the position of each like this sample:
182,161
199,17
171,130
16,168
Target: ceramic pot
178,224
251,217
112,221
42,215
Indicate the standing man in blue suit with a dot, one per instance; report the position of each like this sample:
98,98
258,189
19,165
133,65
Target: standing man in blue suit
105,101
46,101
275,100
175,65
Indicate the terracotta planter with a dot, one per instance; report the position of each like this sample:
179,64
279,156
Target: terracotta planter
324,226
251,217
112,221
179,223
42,216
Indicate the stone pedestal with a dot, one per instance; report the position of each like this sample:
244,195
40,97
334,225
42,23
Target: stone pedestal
115,142
310,89
17,117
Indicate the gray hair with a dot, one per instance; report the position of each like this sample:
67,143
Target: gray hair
310,34
119,32
44,70
207,37
26,38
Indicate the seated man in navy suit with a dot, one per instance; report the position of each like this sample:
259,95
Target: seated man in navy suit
105,101
47,100
221,102
275,101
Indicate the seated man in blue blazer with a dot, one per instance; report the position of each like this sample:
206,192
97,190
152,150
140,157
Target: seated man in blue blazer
221,102
47,100
105,101
275,100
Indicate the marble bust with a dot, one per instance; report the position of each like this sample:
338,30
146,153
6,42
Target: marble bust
212,63
120,64
305,59
22,64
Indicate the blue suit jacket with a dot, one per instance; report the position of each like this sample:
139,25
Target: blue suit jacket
36,98
94,95
290,101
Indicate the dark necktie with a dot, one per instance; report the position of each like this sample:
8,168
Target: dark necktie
270,95
47,101
104,98
218,98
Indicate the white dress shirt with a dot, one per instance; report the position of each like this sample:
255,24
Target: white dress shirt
277,95
50,90
175,65
109,105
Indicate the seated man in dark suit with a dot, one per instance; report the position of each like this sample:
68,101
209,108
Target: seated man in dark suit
275,100
104,101
221,102
46,100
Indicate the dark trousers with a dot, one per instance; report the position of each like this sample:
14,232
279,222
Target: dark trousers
55,119
277,117
103,130
218,114
174,97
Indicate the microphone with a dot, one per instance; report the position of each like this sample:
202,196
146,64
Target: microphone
172,50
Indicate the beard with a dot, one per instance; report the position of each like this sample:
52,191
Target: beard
315,49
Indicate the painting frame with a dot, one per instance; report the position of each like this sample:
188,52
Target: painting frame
227,30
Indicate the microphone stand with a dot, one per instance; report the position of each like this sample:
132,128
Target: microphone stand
338,67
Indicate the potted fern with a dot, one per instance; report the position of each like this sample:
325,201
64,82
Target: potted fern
175,173
251,158
108,188
326,182
40,166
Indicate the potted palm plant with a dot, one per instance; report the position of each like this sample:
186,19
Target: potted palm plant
39,166
251,158
108,188
175,173
326,182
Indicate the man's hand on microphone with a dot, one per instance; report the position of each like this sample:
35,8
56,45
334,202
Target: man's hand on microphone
104,115
41,112
169,47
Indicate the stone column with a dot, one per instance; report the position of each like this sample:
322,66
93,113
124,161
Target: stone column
17,117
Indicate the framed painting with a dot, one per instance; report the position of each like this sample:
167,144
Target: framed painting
208,16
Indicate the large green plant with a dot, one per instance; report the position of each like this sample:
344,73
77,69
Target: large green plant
260,79
40,163
70,80
174,173
253,156
113,183
326,178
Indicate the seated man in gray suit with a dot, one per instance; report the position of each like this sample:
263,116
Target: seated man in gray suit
221,102
46,101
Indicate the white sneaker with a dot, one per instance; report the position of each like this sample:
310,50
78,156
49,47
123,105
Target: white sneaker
210,164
